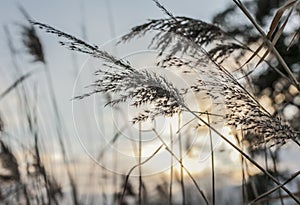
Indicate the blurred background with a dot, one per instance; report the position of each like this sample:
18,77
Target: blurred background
79,152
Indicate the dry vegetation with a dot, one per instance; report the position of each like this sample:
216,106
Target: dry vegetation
219,66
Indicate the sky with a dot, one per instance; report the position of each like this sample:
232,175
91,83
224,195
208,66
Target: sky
100,22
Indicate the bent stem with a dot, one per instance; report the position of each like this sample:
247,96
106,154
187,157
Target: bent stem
164,144
185,169
133,168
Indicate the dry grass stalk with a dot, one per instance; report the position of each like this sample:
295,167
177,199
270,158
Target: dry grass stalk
1,124
34,46
15,84
268,42
9,163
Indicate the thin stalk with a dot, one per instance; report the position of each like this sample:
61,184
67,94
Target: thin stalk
244,191
74,191
140,167
185,124
115,176
26,195
274,189
212,164
104,195
266,155
58,124
276,172
266,163
59,130
42,168
15,85
171,168
181,161
39,164
246,156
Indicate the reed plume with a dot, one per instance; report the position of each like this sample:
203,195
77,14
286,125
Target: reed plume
243,110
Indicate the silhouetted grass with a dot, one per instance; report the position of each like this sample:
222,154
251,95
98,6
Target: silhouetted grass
195,48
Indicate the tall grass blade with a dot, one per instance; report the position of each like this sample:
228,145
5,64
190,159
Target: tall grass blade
181,159
140,167
171,167
15,84
212,164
